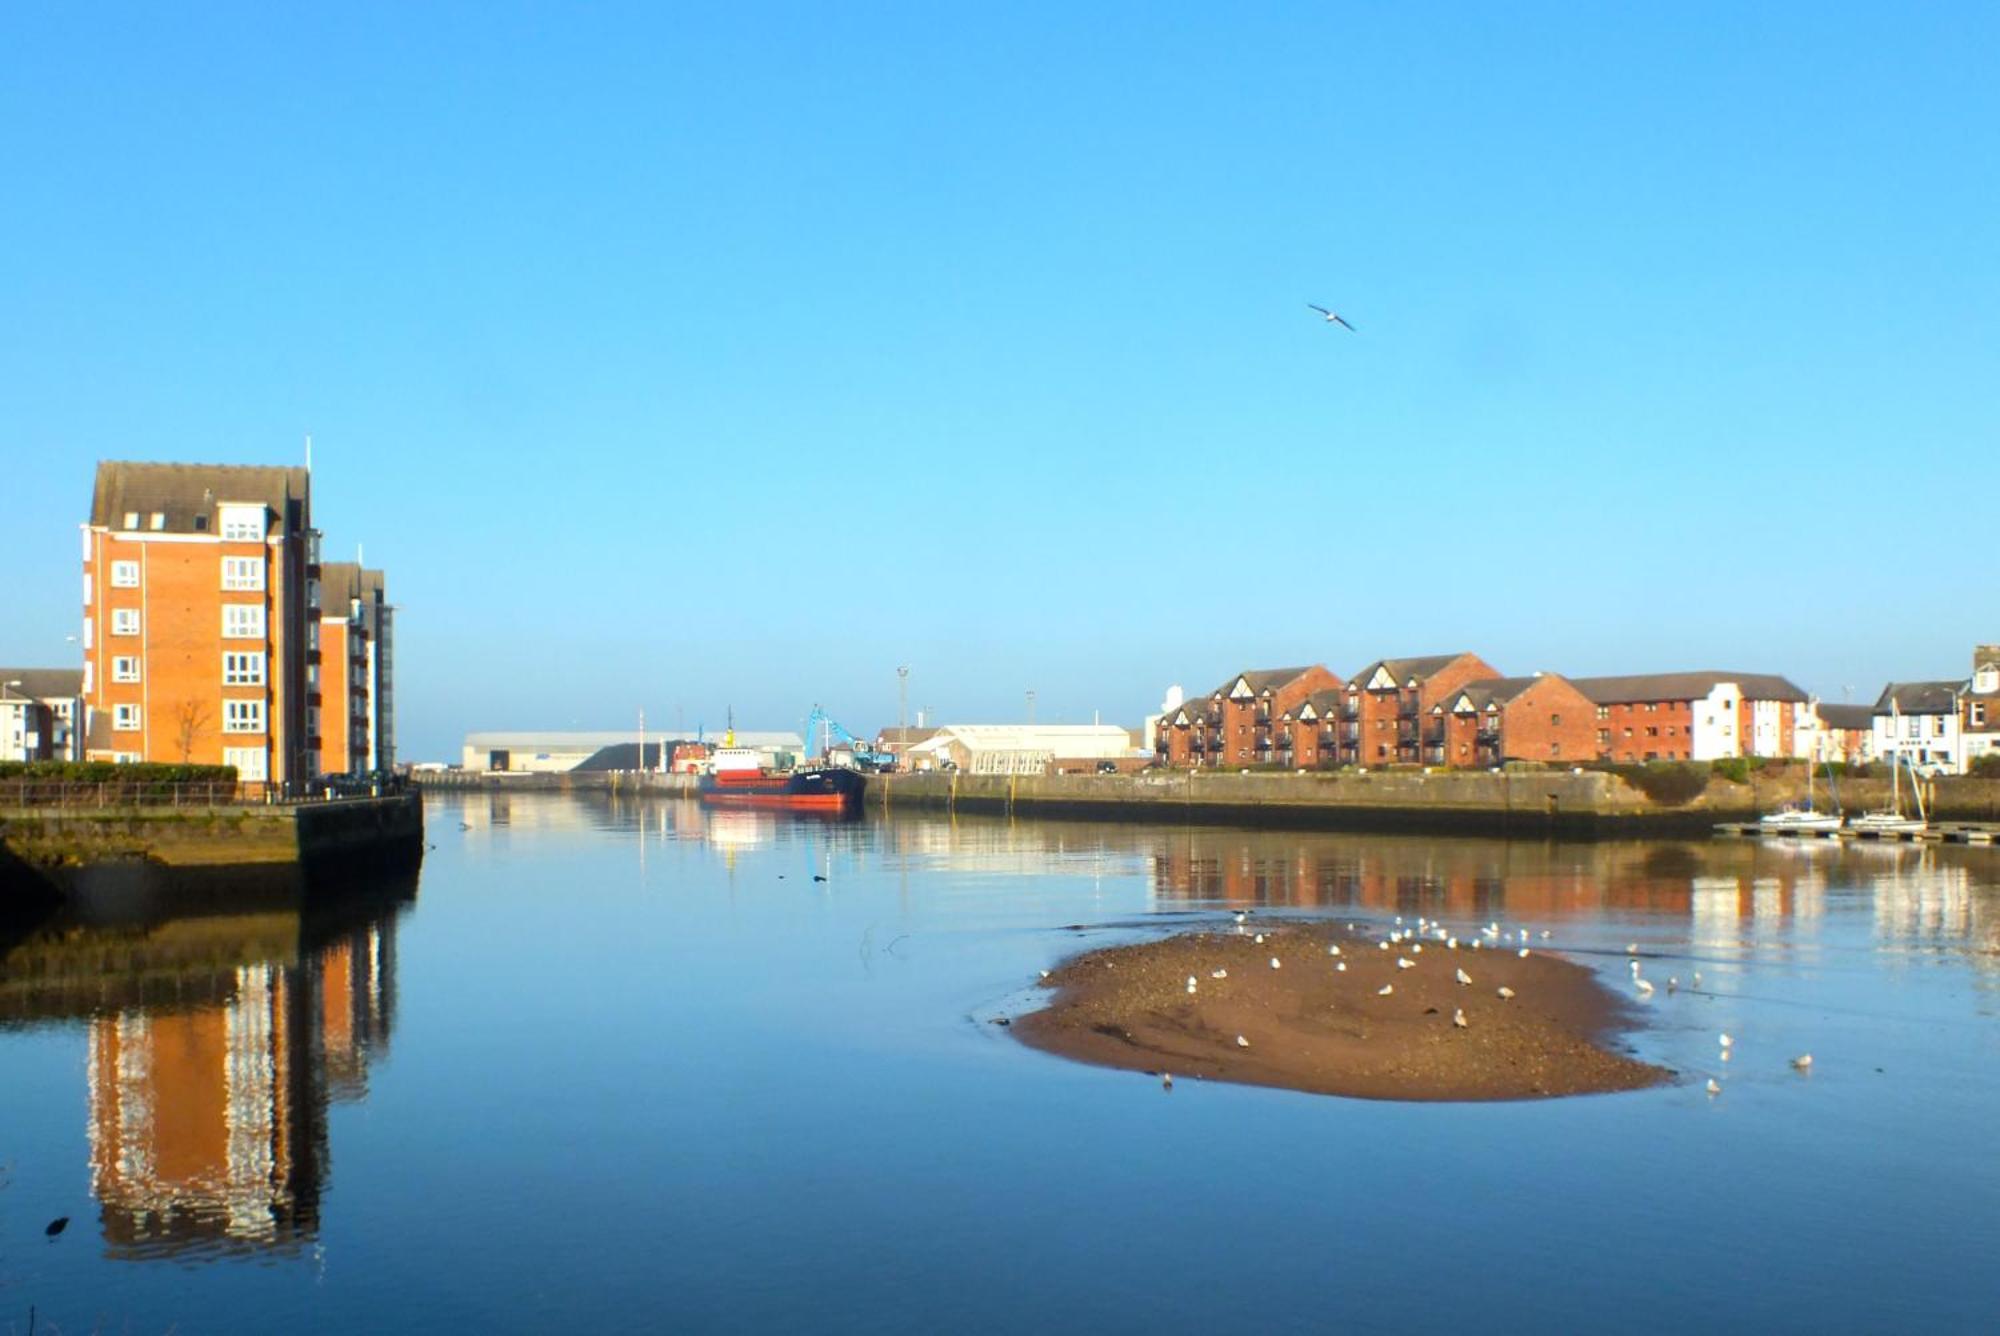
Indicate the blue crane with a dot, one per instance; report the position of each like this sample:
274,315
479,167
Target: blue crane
830,732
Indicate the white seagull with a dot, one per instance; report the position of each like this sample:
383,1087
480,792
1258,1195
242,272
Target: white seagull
1464,978
1505,993
1332,318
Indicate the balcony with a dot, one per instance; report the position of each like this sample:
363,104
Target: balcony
1434,737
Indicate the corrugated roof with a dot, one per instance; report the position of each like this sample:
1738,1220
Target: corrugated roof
1920,697
590,741
1683,686
44,683
181,492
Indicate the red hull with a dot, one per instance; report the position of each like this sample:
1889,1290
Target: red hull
818,790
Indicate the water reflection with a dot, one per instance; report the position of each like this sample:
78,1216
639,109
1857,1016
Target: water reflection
214,1044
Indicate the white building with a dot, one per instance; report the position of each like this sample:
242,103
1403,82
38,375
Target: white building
1918,722
41,714
555,752
1018,749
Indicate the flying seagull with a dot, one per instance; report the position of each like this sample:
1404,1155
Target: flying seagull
1331,318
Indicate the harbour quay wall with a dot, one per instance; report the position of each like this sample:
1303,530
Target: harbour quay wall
1520,803
385,832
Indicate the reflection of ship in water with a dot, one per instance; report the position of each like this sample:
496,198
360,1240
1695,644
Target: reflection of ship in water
215,1043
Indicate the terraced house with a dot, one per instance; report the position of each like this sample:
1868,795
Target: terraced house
1238,723
1501,719
1385,705
1700,716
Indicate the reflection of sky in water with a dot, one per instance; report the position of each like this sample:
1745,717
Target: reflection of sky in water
647,1072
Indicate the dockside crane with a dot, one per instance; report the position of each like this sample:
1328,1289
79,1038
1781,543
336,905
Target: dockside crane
830,732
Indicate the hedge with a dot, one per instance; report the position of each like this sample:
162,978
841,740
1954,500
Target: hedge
112,772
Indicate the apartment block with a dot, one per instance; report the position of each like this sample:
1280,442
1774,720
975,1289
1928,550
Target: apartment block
357,718
1700,716
1491,722
1381,717
201,619
1238,723
41,713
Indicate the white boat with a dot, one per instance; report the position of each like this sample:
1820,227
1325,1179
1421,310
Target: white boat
1890,820
1800,819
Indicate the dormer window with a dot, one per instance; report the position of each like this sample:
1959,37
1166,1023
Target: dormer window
131,519
243,524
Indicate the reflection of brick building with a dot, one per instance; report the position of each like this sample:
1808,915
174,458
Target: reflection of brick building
1382,717
1238,723
208,1121
1487,723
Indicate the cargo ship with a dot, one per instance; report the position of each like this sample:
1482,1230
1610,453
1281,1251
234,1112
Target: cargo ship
738,777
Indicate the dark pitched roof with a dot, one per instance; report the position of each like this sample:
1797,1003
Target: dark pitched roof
1847,716
339,583
181,492
1403,670
625,756
43,683
1683,686
1920,697
374,586
1493,691
1260,678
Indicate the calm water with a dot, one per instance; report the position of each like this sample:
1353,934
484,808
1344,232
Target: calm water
630,1067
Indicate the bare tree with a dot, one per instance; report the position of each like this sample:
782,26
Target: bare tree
191,720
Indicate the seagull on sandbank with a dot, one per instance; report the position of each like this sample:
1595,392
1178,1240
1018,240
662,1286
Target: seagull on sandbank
1334,319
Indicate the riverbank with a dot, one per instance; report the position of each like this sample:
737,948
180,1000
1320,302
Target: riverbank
1373,1030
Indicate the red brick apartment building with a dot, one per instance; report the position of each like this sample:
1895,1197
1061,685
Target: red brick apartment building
1238,723
1488,723
1697,716
201,618
358,717
1381,717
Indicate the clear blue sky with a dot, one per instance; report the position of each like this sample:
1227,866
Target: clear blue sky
688,358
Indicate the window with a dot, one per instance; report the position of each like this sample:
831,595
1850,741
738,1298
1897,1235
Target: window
1555,721
1604,712
131,519
243,670
249,762
243,716
159,521
125,718
1979,714
242,572
125,668
201,524
88,638
124,621
243,621
124,575
242,524
125,758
